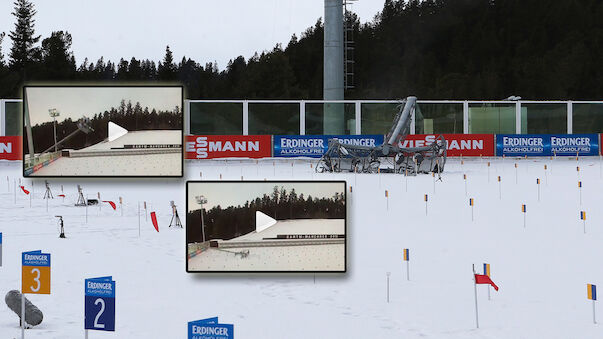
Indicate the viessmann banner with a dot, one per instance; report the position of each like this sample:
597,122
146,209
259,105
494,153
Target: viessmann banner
227,146
466,145
10,148
314,146
546,144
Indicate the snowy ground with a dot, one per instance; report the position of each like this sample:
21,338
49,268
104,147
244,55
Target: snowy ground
118,165
542,270
319,257
160,164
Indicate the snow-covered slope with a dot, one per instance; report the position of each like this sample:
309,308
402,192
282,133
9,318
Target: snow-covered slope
542,270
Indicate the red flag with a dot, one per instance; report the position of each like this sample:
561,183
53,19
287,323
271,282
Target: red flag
484,279
24,190
62,195
111,203
154,220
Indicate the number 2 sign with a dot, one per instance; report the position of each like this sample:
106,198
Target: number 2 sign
99,304
35,272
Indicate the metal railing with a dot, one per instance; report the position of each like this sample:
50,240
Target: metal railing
302,117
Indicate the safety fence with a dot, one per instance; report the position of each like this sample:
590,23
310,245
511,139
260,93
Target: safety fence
458,145
473,128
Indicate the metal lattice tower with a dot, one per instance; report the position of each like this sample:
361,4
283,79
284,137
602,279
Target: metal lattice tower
348,46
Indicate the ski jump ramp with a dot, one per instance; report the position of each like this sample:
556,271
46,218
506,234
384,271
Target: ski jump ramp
123,153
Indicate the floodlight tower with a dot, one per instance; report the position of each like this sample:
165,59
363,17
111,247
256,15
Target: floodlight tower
333,64
54,114
201,200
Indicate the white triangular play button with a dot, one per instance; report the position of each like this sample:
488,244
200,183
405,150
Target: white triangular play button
262,221
116,131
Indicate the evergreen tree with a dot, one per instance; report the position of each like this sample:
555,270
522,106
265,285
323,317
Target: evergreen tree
23,52
57,59
167,68
1,55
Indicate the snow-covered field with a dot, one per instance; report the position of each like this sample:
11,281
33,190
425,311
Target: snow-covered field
118,165
542,269
316,257
168,162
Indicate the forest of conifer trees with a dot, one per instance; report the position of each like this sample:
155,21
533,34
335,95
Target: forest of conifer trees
434,49
233,221
129,116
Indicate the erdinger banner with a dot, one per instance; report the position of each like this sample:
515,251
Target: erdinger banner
547,144
10,148
227,146
314,146
210,329
466,145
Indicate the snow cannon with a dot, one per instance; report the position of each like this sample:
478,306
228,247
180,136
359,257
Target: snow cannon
33,315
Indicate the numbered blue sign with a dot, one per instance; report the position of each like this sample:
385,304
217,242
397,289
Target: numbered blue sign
99,304
209,329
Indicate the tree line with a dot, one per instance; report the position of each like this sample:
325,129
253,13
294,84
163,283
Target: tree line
131,117
234,221
434,49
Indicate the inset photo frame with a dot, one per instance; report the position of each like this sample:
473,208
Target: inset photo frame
103,131
266,226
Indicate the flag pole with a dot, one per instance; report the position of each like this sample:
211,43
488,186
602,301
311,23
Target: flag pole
388,273
139,219
594,320
407,270
475,290
426,204
465,179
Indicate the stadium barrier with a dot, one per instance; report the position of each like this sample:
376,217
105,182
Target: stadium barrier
196,248
10,148
466,145
313,146
41,161
539,145
227,146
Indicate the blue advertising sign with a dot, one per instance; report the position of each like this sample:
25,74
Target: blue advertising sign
546,144
99,304
35,258
314,146
210,329
572,144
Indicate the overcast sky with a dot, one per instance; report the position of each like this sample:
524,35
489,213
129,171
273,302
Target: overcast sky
204,30
228,194
76,102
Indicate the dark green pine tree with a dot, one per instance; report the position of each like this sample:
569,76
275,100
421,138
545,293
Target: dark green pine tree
23,53
1,55
167,68
57,59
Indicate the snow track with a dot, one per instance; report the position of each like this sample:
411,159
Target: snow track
542,270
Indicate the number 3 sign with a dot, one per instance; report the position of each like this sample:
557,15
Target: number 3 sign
99,304
35,273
